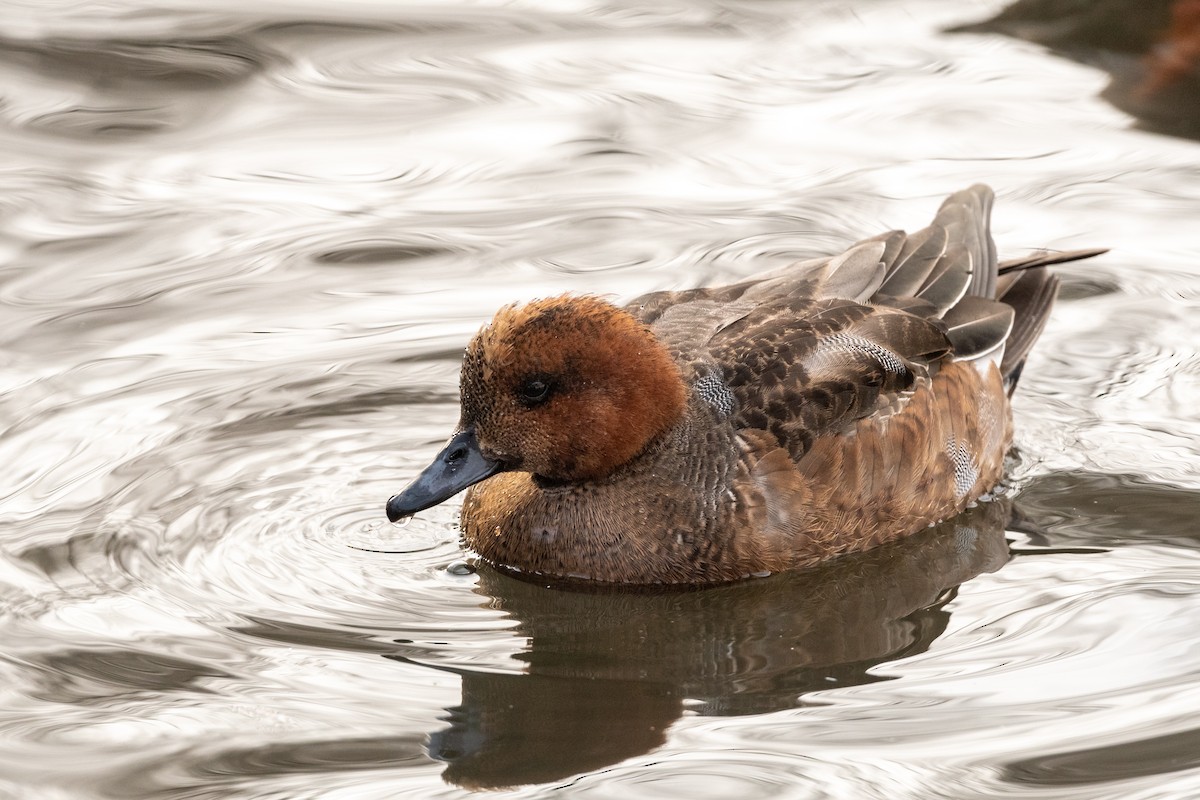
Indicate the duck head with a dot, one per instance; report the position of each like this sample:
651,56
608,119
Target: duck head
568,389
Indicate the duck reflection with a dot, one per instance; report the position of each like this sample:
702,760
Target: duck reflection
608,672
1151,49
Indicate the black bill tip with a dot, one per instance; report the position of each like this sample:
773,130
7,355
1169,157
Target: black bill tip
460,464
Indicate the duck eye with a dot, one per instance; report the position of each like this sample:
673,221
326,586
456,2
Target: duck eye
534,391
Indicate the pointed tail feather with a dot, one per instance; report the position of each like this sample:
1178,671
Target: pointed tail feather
1030,289
1031,294
1044,258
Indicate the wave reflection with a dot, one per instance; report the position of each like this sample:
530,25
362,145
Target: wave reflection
241,249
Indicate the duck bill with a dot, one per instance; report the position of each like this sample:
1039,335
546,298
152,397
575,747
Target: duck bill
460,464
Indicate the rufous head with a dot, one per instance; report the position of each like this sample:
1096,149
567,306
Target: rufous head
568,388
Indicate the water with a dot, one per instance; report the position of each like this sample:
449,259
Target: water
242,246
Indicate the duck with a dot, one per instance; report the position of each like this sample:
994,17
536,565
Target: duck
709,435
1149,48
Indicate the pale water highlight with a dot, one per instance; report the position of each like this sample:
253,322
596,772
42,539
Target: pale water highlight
241,249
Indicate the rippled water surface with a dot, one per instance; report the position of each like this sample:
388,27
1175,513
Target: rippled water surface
241,248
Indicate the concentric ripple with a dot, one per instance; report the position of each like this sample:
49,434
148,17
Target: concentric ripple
241,249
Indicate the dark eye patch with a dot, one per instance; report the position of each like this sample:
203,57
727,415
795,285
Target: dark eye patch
534,391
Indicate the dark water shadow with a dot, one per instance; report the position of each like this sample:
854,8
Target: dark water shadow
136,87
609,672
83,676
1100,510
1153,755
227,770
1144,46
299,415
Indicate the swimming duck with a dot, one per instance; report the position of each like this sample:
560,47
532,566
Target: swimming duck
713,434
